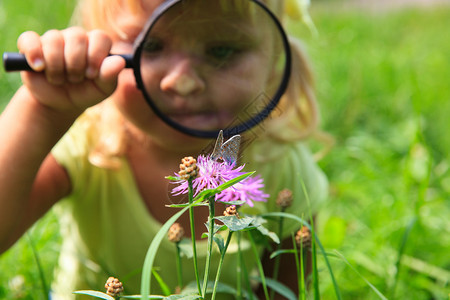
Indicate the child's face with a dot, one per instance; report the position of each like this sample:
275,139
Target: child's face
202,66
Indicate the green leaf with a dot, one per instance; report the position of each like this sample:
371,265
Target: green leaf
221,288
282,251
173,178
183,297
139,297
287,216
218,239
95,294
164,287
278,287
181,205
235,224
152,250
257,222
232,182
217,228
237,203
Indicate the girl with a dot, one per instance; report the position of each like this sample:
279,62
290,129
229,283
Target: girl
79,137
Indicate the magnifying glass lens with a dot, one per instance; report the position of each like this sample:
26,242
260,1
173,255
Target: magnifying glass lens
205,66
211,65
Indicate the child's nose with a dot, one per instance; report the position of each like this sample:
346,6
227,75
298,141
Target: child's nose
182,79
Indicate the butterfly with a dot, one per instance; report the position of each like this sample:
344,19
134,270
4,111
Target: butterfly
228,151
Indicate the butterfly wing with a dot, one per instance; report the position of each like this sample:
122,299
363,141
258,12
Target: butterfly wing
217,152
230,149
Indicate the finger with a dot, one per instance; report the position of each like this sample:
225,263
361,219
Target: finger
109,73
99,48
53,49
75,53
29,43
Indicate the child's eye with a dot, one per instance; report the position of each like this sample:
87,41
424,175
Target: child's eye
152,45
221,53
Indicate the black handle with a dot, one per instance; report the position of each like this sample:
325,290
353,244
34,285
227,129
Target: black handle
13,62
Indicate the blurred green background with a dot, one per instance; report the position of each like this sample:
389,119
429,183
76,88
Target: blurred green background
382,80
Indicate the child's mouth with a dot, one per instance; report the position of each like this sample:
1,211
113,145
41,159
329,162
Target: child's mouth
200,120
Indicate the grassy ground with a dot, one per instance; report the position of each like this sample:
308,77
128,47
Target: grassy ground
382,82
19,275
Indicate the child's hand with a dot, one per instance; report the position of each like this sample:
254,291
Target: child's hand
74,70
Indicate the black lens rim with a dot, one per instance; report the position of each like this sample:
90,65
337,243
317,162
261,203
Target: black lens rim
227,132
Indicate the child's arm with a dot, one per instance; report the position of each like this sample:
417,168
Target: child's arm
76,74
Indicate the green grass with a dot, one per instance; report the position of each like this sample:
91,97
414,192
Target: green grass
18,263
17,16
382,83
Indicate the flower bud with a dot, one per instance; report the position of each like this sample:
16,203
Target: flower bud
285,198
176,233
231,211
188,168
113,287
303,237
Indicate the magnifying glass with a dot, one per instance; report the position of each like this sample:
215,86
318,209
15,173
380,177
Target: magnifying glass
206,66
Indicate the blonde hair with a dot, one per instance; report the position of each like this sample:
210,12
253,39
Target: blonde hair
100,14
299,118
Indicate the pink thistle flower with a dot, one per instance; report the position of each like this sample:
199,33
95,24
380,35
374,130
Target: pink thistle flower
248,190
213,173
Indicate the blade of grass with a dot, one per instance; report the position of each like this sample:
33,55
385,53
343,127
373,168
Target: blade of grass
322,249
259,265
151,254
339,255
400,253
164,287
278,287
45,289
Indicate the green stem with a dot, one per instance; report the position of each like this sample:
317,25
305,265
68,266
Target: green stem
298,267
276,267
260,267
219,270
194,247
302,277
239,268
315,273
314,264
210,244
246,278
179,270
